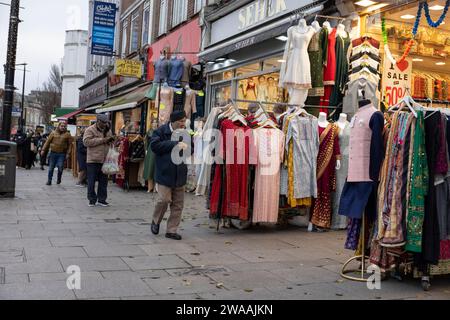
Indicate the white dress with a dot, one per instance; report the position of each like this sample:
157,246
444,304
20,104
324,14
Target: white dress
296,70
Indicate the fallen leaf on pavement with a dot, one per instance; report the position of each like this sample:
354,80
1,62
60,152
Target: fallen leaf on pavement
339,294
219,285
248,290
195,253
228,242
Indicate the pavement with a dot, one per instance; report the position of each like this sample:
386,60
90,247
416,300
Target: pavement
47,229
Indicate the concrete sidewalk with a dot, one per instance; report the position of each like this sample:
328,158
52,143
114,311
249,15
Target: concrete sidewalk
47,229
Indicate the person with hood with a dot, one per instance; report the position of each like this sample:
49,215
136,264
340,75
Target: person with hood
59,143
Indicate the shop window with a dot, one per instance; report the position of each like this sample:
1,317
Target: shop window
128,122
272,64
147,23
249,69
179,13
199,4
221,94
134,37
163,17
124,51
227,75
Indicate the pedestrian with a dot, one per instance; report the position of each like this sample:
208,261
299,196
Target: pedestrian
27,150
36,140
97,138
170,178
81,158
19,139
43,156
59,145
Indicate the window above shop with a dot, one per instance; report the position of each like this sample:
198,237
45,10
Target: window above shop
163,17
179,13
134,35
147,22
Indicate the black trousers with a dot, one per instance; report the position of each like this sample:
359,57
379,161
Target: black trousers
95,174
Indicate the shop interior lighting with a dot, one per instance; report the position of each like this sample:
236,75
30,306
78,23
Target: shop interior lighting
282,38
376,7
407,16
365,3
282,61
440,63
436,7
418,59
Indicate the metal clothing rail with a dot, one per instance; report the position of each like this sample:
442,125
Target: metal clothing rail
329,17
285,104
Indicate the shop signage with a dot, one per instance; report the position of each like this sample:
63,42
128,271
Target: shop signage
103,27
117,82
252,15
128,68
244,43
396,80
16,112
95,93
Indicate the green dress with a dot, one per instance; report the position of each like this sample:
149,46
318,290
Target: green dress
318,53
149,162
341,79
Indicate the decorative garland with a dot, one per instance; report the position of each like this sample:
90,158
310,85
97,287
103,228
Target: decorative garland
441,18
410,43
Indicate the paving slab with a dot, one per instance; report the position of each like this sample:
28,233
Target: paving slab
43,290
113,288
155,262
95,264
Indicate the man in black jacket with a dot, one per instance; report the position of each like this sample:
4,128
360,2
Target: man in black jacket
170,172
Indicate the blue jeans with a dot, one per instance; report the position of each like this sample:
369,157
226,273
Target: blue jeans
55,160
94,173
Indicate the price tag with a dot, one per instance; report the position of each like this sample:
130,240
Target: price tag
162,106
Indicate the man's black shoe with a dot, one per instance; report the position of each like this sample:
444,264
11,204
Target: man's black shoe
49,183
174,236
155,228
58,181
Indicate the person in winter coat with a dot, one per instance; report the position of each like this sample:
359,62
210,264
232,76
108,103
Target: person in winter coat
81,158
170,177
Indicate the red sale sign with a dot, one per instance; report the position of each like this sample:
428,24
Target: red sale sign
396,81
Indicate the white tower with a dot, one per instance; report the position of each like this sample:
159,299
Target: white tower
74,67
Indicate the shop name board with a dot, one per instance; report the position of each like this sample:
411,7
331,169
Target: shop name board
252,15
260,10
103,28
128,68
244,43
94,94
396,80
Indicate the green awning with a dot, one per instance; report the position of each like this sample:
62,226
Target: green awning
129,100
59,112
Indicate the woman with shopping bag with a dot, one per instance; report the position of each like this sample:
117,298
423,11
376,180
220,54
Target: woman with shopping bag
98,139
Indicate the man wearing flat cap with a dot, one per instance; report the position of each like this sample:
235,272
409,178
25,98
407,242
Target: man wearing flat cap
170,177
97,138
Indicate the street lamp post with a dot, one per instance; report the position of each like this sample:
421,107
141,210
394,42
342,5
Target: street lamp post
10,69
22,118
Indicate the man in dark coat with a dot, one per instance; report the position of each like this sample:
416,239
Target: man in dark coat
170,172
81,158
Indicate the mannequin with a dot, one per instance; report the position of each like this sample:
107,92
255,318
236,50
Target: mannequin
315,24
342,122
161,69
327,25
341,31
162,57
303,27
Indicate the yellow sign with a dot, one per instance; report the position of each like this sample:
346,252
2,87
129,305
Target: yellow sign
128,68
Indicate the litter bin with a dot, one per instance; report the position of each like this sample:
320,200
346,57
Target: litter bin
8,160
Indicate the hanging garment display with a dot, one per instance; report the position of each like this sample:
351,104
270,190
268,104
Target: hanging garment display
200,103
176,67
186,71
329,153
296,70
179,97
164,101
341,76
269,144
318,55
338,221
161,71
353,95
190,103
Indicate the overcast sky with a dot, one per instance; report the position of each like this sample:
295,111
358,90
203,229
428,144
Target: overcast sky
41,36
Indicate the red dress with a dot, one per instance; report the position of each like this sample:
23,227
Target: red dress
329,152
229,192
329,71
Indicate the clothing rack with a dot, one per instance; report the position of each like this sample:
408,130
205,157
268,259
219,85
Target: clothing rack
329,17
286,104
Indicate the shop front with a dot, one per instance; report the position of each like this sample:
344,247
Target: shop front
244,53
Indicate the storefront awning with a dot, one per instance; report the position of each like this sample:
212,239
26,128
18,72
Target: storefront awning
269,31
129,100
93,107
71,115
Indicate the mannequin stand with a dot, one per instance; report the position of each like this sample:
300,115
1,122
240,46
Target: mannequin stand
363,276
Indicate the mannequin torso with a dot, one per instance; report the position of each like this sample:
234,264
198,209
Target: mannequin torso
323,122
340,31
316,26
327,26
342,122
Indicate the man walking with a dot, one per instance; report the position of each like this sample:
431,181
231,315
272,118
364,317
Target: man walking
170,178
81,158
97,138
59,143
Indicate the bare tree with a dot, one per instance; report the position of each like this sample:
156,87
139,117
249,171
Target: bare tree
50,94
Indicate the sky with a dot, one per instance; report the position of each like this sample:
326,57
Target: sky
41,36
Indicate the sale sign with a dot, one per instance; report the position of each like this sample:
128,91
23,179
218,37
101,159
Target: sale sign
396,81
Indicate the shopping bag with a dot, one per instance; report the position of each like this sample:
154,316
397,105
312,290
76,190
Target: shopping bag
111,165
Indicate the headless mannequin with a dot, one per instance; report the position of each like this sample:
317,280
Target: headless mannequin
316,26
162,57
302,26
340,31
327,25
342,122
323,123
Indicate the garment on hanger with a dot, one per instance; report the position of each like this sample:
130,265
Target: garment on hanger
338,221
341,77
329,153
296,70
329,75
318,55
263,93
269,150
176,67
166,104
365,55
353,95
179,97
161,71
190,106
186,71
366,40
200,104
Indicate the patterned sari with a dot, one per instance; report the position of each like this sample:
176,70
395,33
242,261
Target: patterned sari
329,152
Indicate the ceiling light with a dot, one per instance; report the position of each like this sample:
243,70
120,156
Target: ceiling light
376,7
407,16
365,3
231,60
440,63
282,38
282,61
418,59
220,59
436,8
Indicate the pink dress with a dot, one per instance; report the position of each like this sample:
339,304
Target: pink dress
269,147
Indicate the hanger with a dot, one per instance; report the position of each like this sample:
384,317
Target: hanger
407,101
268,122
